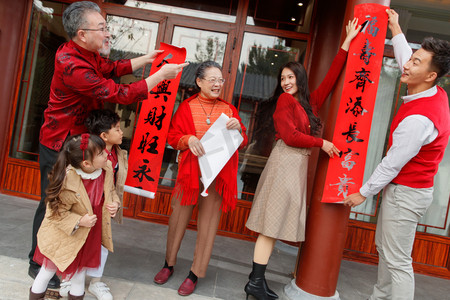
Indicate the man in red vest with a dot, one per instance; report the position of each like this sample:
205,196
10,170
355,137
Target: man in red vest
419,135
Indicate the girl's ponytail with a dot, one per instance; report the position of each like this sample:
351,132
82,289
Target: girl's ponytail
56,179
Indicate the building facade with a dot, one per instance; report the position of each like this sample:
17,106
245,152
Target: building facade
251,39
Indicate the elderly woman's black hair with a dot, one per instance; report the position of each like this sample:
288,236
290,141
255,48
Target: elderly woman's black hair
201,70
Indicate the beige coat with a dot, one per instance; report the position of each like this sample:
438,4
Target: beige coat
121,176
56,237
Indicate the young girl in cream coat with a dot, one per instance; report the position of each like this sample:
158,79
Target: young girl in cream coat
81,200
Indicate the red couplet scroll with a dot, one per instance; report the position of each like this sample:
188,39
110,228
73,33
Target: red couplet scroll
352,129
147,147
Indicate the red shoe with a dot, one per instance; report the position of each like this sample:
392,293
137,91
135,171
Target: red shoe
187,287
163,276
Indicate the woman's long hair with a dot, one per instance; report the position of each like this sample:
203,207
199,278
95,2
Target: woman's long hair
302,94
71,154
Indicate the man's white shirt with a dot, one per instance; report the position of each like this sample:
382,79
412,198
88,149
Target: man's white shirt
411,134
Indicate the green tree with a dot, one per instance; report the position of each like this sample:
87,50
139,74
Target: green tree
212,50
267,61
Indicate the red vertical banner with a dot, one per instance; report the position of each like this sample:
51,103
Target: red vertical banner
149,141
352,129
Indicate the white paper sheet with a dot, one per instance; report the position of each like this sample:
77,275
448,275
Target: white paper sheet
219,144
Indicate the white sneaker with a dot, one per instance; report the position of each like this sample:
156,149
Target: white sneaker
100,290
65,288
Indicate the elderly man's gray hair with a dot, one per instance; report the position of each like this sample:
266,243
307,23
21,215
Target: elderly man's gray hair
74,17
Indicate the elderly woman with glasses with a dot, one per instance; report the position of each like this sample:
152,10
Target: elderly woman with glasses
191,121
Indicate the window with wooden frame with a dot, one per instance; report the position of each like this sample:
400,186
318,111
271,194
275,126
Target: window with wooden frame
251,54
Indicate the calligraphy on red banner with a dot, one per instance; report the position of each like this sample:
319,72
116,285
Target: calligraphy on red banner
147,148
352,129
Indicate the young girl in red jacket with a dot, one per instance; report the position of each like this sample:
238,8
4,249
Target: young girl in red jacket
81,200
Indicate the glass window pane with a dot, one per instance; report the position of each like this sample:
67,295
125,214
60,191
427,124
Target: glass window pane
260,60
130,38
424,19
201,45
285,14
46,35
213,10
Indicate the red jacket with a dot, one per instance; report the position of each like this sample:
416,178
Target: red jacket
187,184
82,82
290,119
420,170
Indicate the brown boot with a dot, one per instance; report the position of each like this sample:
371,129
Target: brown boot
34,296
75,297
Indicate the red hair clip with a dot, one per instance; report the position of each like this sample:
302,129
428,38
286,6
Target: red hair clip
84,142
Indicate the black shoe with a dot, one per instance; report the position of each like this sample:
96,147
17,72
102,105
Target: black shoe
257,286
256,289
33,270
272,295
54,283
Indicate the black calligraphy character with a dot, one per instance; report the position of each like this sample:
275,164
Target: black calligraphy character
362,78
143,172
151,116
153,119
165,60
348,163
143,142
352,134
357,108
366,52
370,26
160,118
351,151
152,145
161,88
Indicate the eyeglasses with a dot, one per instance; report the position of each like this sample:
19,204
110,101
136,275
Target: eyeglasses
103,29
215,80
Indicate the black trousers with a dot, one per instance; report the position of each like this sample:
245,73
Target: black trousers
47,158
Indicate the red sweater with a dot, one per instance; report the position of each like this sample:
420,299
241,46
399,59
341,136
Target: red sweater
81,82
420,170
290,119
187,184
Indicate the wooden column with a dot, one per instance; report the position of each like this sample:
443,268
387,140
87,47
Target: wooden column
14,16
326,226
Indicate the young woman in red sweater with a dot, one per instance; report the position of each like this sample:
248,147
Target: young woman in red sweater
279,206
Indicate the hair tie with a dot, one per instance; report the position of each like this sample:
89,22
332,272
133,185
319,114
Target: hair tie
84,142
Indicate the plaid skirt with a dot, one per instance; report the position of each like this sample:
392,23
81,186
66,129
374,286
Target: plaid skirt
279,205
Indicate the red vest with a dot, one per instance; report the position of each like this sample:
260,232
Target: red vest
420,170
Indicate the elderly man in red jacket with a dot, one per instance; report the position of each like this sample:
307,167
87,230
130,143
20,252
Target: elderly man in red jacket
82,82
418,138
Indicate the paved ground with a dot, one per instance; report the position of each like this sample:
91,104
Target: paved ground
139,254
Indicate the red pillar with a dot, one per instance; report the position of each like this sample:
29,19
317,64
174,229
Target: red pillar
326,226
